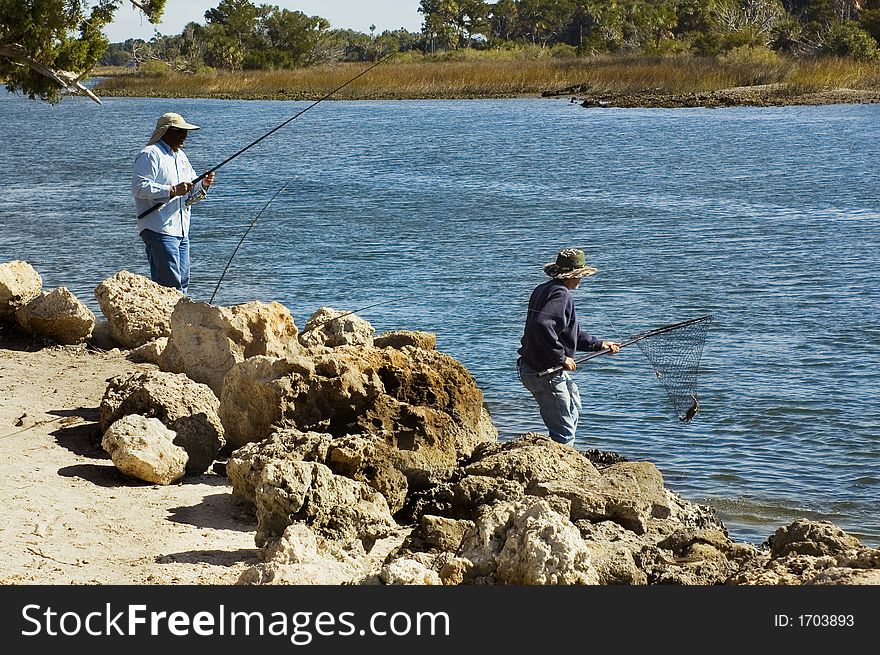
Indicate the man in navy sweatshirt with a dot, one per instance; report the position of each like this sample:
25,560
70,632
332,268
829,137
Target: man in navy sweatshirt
551,337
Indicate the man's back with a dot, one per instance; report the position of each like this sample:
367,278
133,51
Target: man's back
550,321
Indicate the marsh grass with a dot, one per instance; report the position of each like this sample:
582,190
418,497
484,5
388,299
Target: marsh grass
508,77
822,74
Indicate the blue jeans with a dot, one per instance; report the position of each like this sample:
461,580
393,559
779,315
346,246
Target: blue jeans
558,400
169,259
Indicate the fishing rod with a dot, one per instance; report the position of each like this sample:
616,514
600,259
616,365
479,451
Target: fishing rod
628,342
272,131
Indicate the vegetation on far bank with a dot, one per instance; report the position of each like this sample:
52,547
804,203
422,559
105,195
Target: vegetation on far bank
466,48
493,77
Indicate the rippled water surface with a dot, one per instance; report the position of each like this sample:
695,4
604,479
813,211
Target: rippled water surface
766,218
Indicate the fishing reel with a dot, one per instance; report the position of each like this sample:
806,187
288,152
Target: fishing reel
198,196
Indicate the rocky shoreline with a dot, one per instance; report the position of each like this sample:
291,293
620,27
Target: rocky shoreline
371,459
762,95
766,95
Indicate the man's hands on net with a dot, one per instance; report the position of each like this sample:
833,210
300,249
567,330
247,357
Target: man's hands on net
613,346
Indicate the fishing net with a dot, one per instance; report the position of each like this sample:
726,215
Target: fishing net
674,352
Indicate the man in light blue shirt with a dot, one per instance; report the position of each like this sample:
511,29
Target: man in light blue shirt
163,176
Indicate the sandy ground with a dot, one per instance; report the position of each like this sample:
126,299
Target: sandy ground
70,517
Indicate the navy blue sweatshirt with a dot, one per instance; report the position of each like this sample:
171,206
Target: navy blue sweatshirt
552,332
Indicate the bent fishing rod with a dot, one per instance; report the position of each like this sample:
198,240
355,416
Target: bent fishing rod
272,131
628,342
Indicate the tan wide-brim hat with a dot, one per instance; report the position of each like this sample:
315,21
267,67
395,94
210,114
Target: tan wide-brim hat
166,122
569,263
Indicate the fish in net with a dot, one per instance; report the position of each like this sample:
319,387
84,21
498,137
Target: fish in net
674,352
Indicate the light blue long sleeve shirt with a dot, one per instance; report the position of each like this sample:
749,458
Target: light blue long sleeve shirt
157,168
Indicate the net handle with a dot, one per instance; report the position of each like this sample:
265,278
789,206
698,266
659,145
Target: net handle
628,342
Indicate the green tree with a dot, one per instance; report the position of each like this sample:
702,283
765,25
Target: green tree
239,18
822,12
537,19
48,46
502,17
290,37
221,49
869,20
597,26
441,25
653,21
847,39
398,41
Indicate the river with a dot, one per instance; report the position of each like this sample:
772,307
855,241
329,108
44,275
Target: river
446,211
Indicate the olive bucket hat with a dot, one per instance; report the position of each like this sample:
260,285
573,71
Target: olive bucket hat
569,263
166,122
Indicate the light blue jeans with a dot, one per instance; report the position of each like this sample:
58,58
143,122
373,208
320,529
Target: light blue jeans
169,259
558,400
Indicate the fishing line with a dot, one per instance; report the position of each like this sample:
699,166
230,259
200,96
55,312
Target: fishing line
241,241
273,130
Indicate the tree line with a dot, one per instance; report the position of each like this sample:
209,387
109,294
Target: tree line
49,45
239,34
704,27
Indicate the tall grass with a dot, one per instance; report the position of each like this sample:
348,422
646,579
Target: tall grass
506,77
821,74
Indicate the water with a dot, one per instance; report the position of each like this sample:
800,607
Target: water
767,218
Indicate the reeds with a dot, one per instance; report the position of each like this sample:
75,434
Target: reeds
832,73
509,77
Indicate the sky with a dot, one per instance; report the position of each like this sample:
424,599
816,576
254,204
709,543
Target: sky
342,14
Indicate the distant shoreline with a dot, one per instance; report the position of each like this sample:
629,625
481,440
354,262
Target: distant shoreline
768,95
638,81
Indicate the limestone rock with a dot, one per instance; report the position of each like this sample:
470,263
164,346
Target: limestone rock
19,283
423,405
357,458
245,466
257,396
137,309
186,407
400,338
530,459
438,533
332,505
846,576
816,538
58,315
150,352
143,448
300,556
408,572
368,460
629,493
303,557
331,328
527,542
207,341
